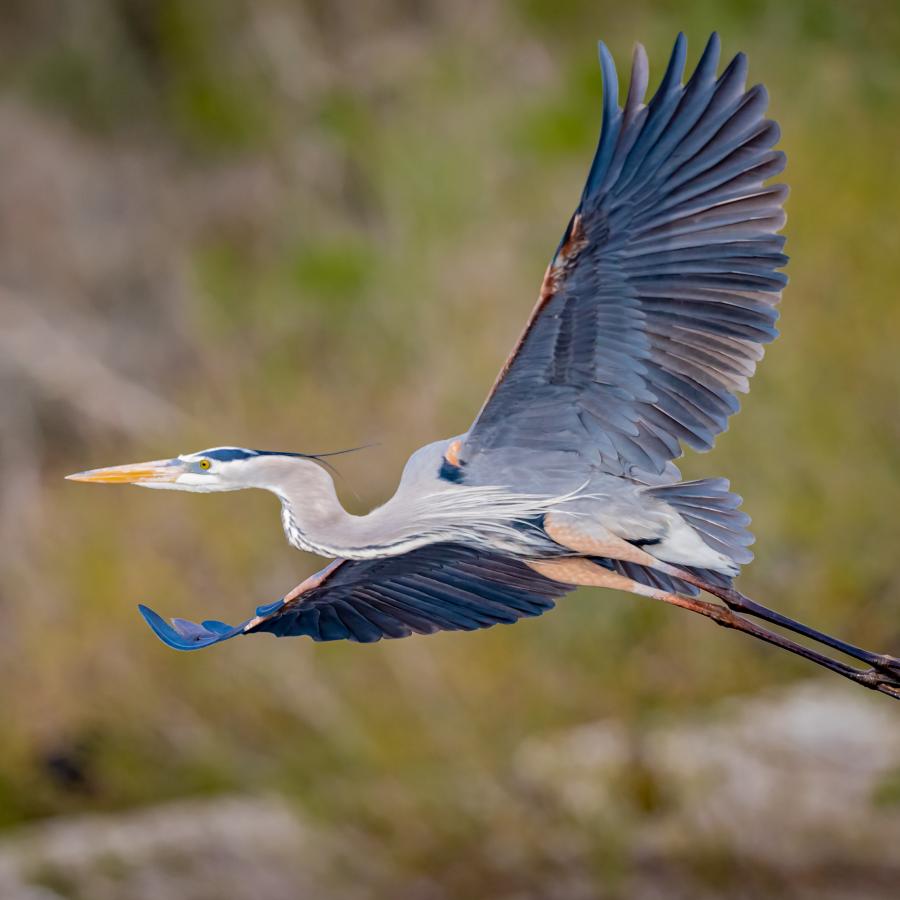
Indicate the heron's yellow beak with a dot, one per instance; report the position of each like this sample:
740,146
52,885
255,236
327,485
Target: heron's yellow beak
153,472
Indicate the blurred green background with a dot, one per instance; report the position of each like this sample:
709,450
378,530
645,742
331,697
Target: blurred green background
310,225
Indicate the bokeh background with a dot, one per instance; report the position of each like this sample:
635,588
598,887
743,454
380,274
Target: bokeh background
310,225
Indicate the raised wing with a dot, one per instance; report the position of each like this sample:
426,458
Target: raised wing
441,587
654,310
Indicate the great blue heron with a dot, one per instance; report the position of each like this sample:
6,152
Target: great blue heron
651,316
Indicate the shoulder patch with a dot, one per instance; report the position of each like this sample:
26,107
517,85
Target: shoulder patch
451,464
449,472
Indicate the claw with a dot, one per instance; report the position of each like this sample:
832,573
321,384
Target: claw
889,664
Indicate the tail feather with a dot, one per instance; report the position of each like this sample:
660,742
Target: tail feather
646,576
654,578
665,582
716,579
712,511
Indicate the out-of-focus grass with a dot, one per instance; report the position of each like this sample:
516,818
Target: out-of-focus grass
424,164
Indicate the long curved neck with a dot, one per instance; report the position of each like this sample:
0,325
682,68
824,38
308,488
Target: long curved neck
314,519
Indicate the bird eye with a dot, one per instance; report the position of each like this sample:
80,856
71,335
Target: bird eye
205,463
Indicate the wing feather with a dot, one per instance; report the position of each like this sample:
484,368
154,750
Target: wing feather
662,292
441,587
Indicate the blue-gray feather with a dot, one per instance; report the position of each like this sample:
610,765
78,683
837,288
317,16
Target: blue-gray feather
441,587
657,309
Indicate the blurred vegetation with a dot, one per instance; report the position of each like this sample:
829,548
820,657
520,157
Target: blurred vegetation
313,225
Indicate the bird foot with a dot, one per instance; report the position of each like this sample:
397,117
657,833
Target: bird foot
887,664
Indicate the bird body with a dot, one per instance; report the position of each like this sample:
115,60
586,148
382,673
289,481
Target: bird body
651,318
430,508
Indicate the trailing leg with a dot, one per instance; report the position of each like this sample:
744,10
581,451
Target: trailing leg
581,571
740,603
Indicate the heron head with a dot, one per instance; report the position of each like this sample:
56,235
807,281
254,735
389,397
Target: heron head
216,469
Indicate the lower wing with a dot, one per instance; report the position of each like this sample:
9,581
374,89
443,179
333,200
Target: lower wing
441,587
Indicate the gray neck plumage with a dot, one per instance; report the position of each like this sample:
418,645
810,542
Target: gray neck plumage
315,520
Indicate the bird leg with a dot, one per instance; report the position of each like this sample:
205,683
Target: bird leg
584,572
592,539
740,603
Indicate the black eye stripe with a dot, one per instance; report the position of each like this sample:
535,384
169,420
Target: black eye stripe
226,454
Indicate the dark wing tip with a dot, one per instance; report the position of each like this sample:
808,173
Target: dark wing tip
610,81
184,635
677,62
709,59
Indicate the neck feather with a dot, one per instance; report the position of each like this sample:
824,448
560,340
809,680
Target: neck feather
315,520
